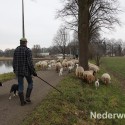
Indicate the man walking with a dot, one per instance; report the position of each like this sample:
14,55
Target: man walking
23,67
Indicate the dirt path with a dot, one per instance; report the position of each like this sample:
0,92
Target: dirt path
11,113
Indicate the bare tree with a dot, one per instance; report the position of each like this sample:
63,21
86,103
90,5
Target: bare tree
8,52
89,17
74,44
97,48
102,13
53,50
114,47
36,50
60,40
1,53
70,11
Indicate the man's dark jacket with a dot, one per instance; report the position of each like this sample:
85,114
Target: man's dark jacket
22,61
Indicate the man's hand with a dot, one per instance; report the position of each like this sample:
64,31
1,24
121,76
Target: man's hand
34,74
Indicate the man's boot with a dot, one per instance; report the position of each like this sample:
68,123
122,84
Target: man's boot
21,96
28,93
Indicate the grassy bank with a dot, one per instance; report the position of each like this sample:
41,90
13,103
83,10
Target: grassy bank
5,58
115,65
11,58
6,76
76,103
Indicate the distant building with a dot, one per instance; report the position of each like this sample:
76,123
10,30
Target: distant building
59,56
43,54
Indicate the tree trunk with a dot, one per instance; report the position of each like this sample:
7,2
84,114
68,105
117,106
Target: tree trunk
83,32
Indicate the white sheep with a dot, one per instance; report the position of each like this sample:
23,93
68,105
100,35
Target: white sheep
105,78
52,61
43,65
88,72
59,60
75,61
53,65
79,71
70,68
93,67
38,64
49,66
60,71
65,60
97,83
64,64
70,63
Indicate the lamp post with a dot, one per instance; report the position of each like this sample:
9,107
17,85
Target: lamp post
23,27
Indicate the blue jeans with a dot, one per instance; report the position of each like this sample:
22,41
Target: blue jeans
21,83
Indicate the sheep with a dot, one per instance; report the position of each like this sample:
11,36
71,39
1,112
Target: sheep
75,61
38,64
70,68
49,66
97,83
65,60
79,71
60,71
64,64
52,61
44,65
53,65
89,76
105,78
58,66
93,67
70,63
60,60
88,72
41,64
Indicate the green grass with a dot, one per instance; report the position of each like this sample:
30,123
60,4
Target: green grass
116,65
6,76
77,101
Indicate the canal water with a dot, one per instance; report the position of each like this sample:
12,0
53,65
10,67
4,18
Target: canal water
6,66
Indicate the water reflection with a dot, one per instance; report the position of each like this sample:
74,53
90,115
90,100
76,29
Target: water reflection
6,63
6,66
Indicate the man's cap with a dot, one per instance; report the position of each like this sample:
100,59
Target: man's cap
23,39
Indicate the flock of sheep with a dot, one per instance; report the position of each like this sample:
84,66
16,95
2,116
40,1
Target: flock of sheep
70,65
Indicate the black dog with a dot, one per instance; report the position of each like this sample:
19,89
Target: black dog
1,84
14,89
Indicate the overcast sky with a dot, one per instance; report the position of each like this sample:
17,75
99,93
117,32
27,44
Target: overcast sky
40,22
119,32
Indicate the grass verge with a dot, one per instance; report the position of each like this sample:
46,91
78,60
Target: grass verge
76,103
115,65
6,76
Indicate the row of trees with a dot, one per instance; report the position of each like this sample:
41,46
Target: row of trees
100,48
96,49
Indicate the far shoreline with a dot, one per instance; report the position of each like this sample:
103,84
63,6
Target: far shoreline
11,58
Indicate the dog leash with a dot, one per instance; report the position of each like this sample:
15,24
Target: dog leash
49,84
